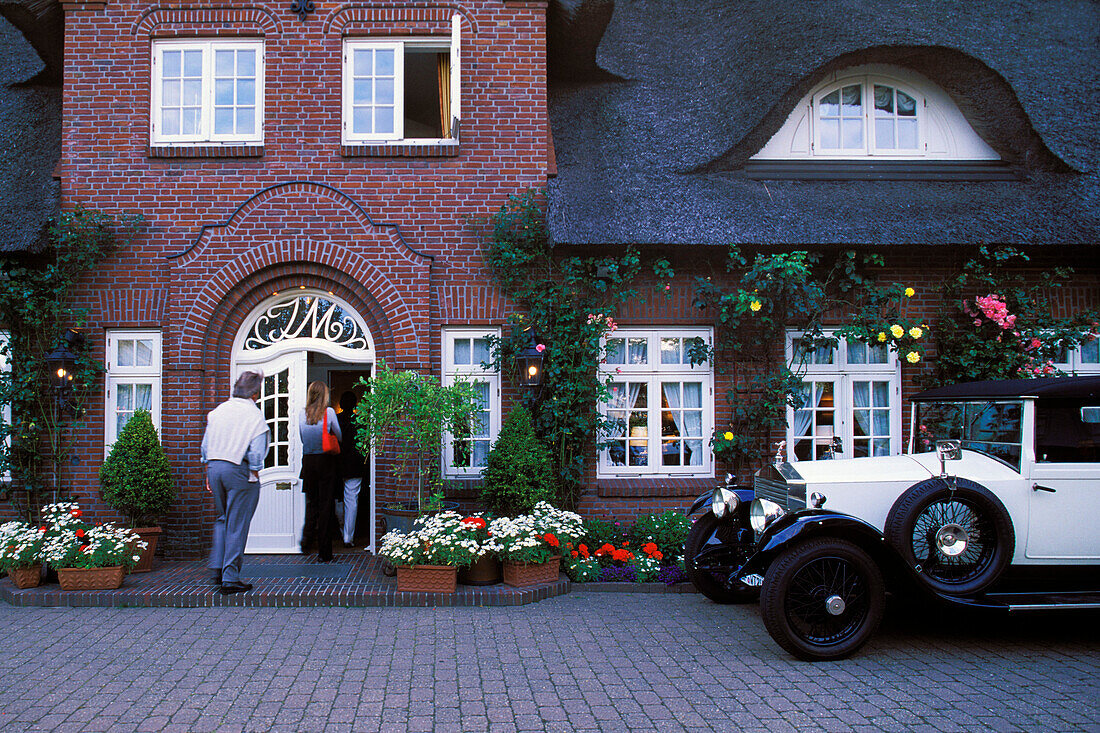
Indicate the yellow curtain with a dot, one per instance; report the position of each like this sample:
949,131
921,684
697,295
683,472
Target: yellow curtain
443,66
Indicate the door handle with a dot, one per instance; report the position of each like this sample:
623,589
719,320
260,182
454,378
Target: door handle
1037,487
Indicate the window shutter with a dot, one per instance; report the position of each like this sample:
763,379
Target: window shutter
456,74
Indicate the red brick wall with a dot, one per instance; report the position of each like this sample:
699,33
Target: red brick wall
389,234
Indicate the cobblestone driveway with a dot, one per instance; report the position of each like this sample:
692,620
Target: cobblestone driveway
586,661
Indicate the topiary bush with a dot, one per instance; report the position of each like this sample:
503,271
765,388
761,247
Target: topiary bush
519,473
668,531
135,480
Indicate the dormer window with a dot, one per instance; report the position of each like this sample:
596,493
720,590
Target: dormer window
859,119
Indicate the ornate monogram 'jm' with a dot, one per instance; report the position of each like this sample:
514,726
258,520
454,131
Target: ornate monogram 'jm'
305,316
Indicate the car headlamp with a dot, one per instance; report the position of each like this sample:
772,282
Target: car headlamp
723,501
762,513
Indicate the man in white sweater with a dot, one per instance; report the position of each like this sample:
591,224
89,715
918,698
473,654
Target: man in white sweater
233,449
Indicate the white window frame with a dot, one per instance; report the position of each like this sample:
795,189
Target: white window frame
1074,363
398,45
471,373
130,375
653,373
842,374
206,135
869,148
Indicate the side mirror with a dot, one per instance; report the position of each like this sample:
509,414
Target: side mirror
948,450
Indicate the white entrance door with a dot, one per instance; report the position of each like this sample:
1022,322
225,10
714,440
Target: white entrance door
277,523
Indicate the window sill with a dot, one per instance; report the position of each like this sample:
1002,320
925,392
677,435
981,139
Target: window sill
654,486
206,151
400,150
879,170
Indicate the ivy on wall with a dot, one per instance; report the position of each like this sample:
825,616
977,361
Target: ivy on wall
36,309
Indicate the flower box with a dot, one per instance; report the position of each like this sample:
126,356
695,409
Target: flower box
485,570
26,577
520,574
149,535
90,578
426,578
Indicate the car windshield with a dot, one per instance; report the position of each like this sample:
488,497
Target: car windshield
993,428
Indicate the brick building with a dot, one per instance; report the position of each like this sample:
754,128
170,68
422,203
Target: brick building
307,178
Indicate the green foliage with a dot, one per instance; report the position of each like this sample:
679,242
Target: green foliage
668,531
136,480
37,310
598,532
409,413
754,307
519,473
995,323
568,303
581,570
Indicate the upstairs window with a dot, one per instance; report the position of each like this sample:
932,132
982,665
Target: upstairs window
402,90
207,92
867,118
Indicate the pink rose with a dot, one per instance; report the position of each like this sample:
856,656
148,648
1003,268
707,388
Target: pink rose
540,348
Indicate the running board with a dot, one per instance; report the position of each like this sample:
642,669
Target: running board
1024,602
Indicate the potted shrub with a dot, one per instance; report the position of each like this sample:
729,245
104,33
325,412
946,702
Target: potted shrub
409,413
20,553
428,557
136,481
86,556
519,473
531,544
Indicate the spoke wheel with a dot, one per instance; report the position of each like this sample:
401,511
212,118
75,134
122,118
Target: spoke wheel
822,599
710,583
955,533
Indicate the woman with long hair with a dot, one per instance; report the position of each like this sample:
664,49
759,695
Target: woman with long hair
320,471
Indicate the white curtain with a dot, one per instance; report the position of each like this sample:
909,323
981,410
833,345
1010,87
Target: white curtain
804,416
671,391
861,401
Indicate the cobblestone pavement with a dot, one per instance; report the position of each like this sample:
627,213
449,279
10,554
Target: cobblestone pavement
582,662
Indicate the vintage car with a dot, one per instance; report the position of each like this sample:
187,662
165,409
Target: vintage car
995,506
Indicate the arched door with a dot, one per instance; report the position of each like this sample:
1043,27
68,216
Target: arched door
278,338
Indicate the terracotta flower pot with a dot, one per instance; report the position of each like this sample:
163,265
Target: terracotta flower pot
519,574
26,577
91,578
426,578
485,571
151,535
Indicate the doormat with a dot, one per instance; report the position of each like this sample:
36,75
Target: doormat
288,570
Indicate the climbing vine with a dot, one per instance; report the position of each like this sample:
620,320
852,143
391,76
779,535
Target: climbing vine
37,310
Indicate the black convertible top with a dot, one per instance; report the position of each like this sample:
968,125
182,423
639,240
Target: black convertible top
1043,387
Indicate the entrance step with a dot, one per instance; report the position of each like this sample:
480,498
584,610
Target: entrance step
281,581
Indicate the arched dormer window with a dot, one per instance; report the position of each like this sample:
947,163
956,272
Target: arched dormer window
860,118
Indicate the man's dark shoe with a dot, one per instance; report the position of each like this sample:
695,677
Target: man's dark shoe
217,577
228,588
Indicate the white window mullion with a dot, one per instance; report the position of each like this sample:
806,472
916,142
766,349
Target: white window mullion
206,124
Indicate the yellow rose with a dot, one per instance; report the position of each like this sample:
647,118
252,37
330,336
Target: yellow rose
881,336
727,435
915,332
754,306
897,330
913,357
909,292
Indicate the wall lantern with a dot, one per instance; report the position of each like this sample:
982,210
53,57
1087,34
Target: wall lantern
529,361
61,363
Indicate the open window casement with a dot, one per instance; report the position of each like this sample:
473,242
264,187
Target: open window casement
456,78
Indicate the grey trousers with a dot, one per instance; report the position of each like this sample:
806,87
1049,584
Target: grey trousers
235,500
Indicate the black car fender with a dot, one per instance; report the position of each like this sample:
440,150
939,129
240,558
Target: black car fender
799,526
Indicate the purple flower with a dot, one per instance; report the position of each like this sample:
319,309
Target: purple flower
618,575
671,574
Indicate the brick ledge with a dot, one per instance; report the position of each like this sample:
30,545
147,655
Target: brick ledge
206,151
664,486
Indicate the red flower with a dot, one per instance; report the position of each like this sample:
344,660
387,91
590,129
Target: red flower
658,555
80,533
621,555
476,522
42,528
573,553
77,513
551,540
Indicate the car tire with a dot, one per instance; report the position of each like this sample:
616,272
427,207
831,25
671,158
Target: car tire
954,532
822,599
706,582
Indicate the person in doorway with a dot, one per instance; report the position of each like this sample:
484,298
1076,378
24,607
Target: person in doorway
320,471
233,449
352,466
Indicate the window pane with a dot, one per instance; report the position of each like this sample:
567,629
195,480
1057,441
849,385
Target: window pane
192,63
125,353
1090,352
884,134
125,397
670,351
383,91
383,120
170,93
143,397
462,351
143,352
881,394
861,394
246,121
851,101
861,422
246,63
882,422
878,354
857,352
361,91
173,63
693,423
192,92
882,446
852,132
223,63
907,106
480,451
693,394
190,121
884,100
223,92
480,351
670,396
907,134
246,92
384,60
362,62
616,353
360,120
830,104
223,120
830,134
638,352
